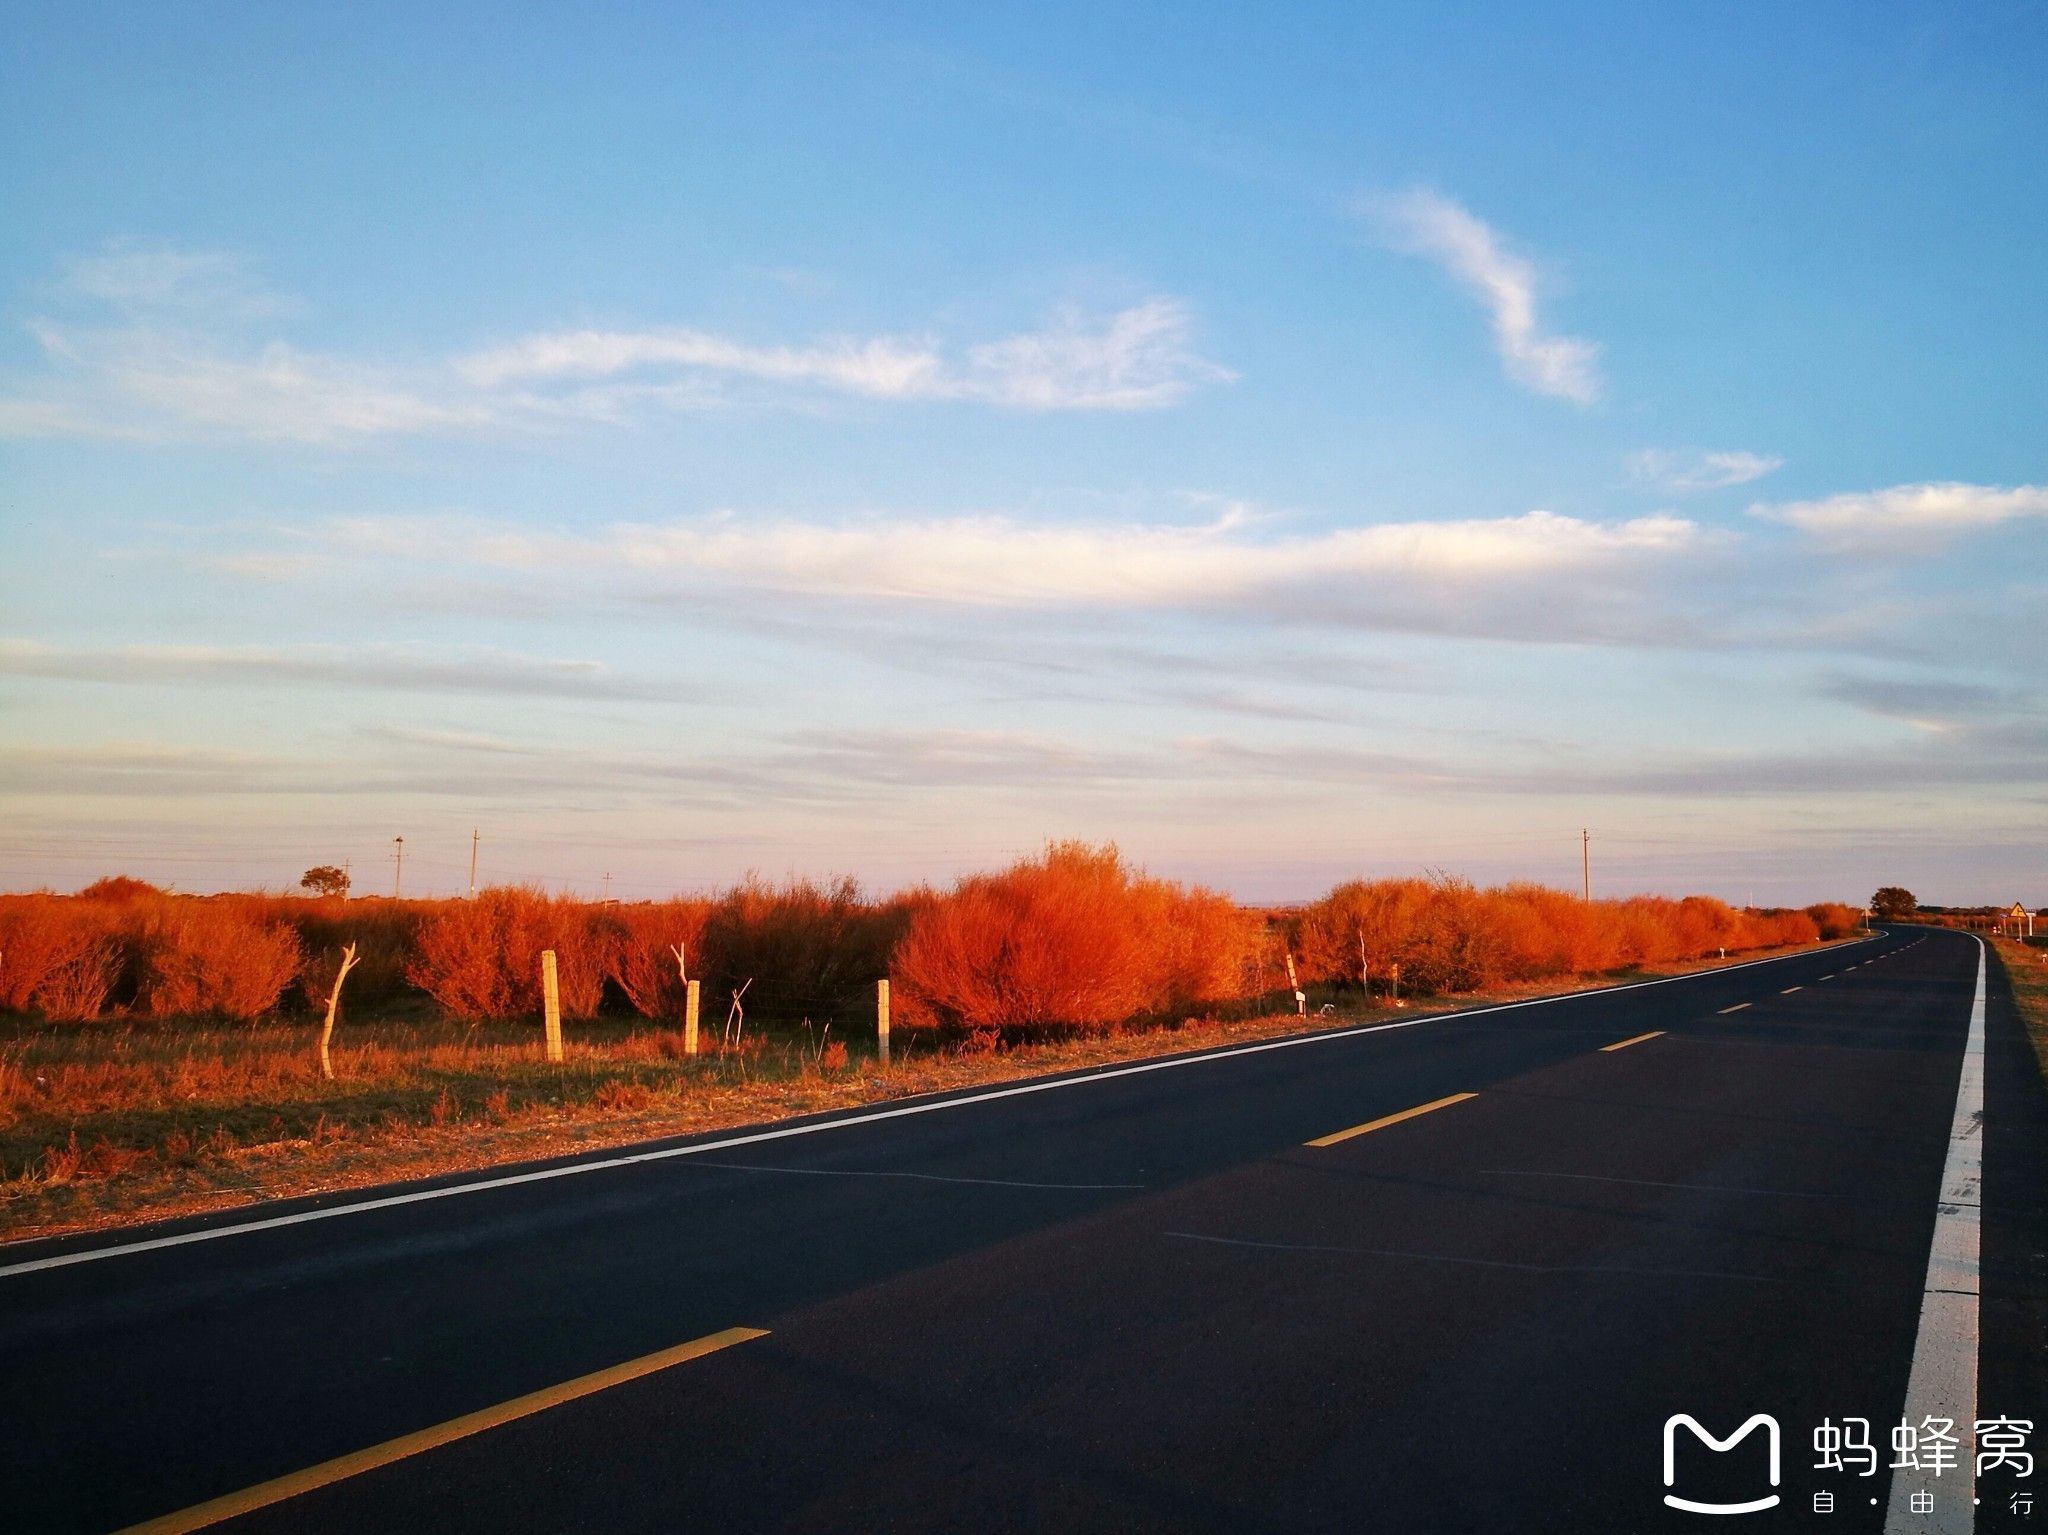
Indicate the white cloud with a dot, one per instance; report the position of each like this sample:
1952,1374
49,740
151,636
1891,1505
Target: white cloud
1473,252
1690,471
1475,576
1908,516
1136,359
171,351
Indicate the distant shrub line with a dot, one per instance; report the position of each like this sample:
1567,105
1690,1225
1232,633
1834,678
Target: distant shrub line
1072,938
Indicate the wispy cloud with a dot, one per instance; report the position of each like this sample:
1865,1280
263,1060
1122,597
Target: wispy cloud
371,667
1431,225
1908,516
172,345
1692,471
1479,576
1135,359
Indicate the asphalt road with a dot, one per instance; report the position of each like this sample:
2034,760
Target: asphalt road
1139,1300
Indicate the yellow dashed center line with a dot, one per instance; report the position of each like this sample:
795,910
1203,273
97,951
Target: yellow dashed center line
1623,1044
263,1494
1738,1007
1390,1119
1789,990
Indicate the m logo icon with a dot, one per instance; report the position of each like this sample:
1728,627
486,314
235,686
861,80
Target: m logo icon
1764,1420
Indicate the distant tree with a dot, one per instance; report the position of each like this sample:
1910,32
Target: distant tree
118,887
1893,904
325,879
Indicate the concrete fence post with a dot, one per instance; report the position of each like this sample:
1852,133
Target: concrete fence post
882,1021
551,1003
690,1017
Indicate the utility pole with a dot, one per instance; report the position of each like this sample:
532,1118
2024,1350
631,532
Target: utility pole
397,865
607,886
472,863
1585,864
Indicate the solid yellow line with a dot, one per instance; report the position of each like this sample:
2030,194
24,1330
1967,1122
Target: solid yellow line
263,1494
1625,1043
1391,1119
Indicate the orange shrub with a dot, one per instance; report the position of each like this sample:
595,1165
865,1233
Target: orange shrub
641,957
57,956
1834,919
807,948
1073,937
206,958
481,958
1447,936
382,929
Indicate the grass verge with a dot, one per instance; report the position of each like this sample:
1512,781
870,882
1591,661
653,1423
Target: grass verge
2026,968
107,1125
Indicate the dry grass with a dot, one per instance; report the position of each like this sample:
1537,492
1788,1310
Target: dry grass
118,1122
2026,968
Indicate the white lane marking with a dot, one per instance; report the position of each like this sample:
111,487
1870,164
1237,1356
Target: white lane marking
1943,1382
633,1159
834,1172
1479,1263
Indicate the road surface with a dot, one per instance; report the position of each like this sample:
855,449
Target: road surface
1176,1296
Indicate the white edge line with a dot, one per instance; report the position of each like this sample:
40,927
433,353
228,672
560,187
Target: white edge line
1943,1380
543,1175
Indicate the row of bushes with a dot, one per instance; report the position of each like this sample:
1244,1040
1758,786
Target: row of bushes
1074,937
1445,935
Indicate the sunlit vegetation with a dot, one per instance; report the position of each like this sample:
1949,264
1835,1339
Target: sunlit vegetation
147,1034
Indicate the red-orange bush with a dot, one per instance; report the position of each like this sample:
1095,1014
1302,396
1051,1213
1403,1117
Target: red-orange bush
1447,936
642,957
57,956
481,958
1834,919
807,948
1073,937
205,957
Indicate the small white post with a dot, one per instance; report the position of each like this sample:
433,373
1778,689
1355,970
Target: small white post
690,1017
882,1021
1294,985
551,1004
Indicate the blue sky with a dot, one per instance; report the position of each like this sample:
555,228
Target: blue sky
1292,443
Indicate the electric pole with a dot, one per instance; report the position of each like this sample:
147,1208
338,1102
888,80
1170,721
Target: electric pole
607,885
1585,864
472,863
397,865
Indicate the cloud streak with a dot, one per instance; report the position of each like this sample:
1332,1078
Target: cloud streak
1427,224
1908,516
1692,471
1140,358
171,350
1472,576
371,667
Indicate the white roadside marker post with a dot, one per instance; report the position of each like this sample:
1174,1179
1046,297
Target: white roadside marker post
551,1004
